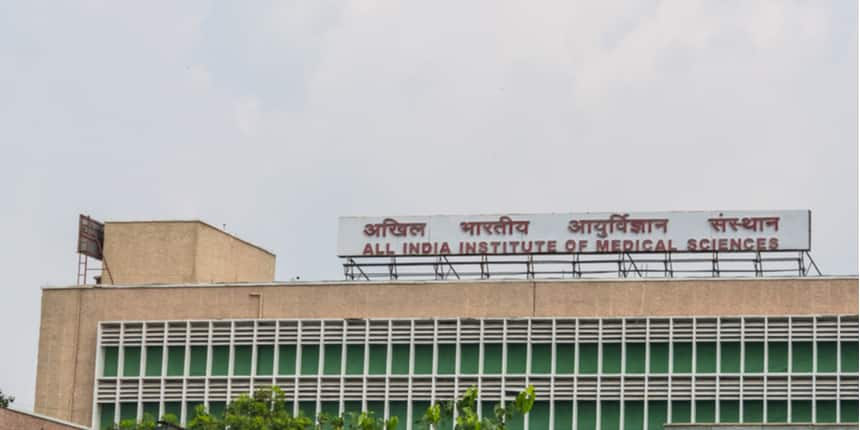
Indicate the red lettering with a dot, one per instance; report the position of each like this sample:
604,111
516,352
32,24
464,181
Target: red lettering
550,246
691,244
773,243
603,245
495,245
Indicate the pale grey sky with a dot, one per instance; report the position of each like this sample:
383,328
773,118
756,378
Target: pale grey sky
274,118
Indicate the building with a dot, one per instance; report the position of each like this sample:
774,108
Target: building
200,323
13,419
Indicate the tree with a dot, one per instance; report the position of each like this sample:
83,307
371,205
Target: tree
267,410
467,412
147,423
5,400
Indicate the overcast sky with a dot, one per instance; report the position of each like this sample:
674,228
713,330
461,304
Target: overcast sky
276,118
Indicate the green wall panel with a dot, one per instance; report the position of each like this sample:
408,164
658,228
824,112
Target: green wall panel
610,414
329,408
801,357
705,411
801,411
730,411
446,359
378,359
516,423
753,411
131,361
400,359
541,358
111,362
352,406
399,409
848,411
635,358
827,356
242,360
516,358
265,360
564,358
849,357
331,359
682,357
588,358
469,356
562,415
681,411
777,411
754,357
175,360
310,359
706,357
657,414
151,409
493,358
220,360
423,359
106,412
825,411
154,356
777,357
488,408
659,361
377,407
586,415
418,410
127,411
730,357
354,359
197,361
286,359
173,408
634,415
539,415
611,358
308,408
217,408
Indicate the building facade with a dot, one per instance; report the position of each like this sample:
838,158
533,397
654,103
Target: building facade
602,354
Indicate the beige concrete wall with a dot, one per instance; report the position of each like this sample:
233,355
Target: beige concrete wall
70,317
225,258
11,419
149,252
180,252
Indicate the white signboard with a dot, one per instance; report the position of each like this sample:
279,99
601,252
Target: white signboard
567,233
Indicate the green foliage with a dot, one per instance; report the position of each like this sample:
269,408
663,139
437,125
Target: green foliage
267,410
5,400
467,412
147,423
